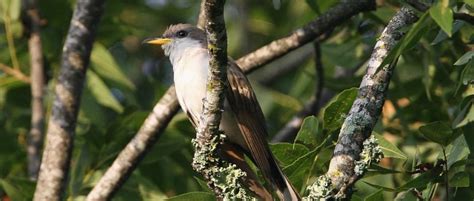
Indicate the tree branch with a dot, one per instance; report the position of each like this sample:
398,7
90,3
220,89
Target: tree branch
35,138
161,120
14,72
143,141
333,17
367,107
424,7
62,123
206,160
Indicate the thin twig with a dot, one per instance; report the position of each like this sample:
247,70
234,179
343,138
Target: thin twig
35,138
62,123
14,72
318,64
10,40
446,171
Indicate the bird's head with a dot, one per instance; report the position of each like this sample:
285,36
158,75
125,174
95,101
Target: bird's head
178,37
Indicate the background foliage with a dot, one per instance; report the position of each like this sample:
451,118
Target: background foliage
426,118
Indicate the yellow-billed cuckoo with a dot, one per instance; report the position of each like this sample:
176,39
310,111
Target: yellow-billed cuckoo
242,120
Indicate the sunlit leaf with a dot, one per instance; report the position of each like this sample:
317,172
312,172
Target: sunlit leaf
336,111
465,116
11,8
464,58
102,93
197,196
457,150
439,132
467,75
443,16
389,150
105,66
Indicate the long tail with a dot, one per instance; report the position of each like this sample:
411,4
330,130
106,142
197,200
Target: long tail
284,189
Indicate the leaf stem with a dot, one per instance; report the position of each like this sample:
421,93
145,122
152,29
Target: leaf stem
10,41
446,173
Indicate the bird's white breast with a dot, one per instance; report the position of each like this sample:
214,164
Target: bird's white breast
190,77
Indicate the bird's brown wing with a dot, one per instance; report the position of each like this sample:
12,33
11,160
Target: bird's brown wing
251,122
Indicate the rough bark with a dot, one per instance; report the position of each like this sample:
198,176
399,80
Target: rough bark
135,150
62,123
367,107
171,96
208,128
35,138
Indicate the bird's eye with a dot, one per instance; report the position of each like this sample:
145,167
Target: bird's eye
181,34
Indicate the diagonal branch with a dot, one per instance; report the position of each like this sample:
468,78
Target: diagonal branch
148,134
62,123
367,107
276,49
330,19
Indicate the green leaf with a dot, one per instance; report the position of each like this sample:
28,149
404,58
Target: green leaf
18,189
378,170
466,57
195,196
443,16
460,179
467,75
287,153
470,2
337,109
380,187
377,196
104,65
408,41
10,8
439,132
422,180
457,151
441,36
102,93
309,133
465,116
299,171
389,150
406,196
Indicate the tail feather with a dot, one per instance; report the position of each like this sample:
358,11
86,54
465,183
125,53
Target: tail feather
284,189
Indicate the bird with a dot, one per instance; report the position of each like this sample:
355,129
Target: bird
242,122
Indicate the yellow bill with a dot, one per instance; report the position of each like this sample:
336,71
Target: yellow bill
158,41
